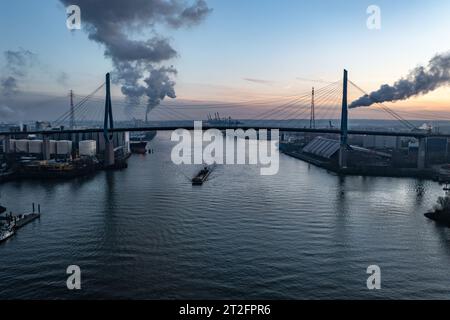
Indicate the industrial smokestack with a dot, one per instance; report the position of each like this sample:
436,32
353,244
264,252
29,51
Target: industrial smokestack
419,81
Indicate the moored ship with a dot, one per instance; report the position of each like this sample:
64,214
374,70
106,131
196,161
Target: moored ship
138,142
6,226
51,169
139,147
6,231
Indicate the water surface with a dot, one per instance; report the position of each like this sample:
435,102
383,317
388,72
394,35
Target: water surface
146,232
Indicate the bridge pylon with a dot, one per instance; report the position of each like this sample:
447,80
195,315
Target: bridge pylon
344,124
312,117
421,155
108,124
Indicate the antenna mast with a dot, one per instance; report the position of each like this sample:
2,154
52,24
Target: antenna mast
312,121
72,111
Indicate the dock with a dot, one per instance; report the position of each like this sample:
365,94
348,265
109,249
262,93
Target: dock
23,219
15,222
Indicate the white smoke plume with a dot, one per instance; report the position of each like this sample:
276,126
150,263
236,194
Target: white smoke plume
419,81
18,64
137,63
9,87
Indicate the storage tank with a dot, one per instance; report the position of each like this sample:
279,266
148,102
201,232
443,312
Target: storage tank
127,142
63,147
52,147
88,147
12,145
22,146
35,146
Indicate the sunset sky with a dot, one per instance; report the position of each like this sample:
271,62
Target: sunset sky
246,49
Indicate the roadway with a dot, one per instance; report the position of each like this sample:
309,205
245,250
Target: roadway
235,127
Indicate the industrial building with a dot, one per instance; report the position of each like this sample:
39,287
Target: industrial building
327,150
66,145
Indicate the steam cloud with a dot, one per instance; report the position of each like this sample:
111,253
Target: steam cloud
62,78
420,80
18,64
9,87
137,62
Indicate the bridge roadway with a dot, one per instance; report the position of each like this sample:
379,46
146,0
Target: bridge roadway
413,134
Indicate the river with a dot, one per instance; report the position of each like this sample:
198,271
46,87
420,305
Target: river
146,233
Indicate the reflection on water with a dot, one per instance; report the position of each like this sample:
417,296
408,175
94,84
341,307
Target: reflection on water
146,232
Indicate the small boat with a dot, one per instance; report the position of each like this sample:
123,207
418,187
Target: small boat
10,223
439,216
6,231
201,176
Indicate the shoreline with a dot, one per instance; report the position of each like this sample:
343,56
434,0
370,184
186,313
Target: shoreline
374,171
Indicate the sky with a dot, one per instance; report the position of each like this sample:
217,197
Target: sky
246,49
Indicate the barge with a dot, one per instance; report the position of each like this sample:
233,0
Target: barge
51,169
201,176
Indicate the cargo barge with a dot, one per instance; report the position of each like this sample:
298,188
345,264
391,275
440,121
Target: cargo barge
57,170
201,176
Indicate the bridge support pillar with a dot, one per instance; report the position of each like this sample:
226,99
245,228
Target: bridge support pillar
398,143
46,148
421,155
108,124
344,124
343,157
109,154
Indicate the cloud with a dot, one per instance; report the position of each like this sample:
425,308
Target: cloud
19,62
259,81
62,78
9,87
312,80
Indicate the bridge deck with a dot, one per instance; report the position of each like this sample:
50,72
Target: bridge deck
234,127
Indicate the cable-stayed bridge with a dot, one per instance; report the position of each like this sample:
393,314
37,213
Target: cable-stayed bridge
324,110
